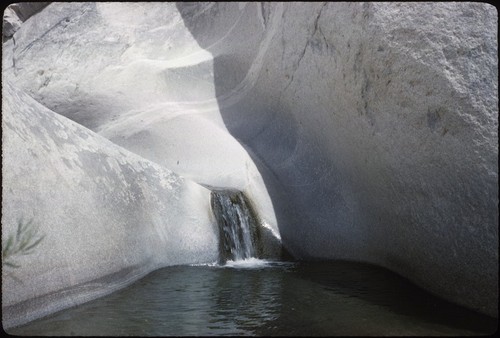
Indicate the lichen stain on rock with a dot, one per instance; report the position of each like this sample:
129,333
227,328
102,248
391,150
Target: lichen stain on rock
434,118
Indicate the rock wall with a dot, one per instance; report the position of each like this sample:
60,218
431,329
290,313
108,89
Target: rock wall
141,81
380,122
93,63
364,131
108,215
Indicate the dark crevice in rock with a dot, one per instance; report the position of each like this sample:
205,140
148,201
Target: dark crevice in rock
301,56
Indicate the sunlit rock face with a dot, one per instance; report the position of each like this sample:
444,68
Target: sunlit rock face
133,73
108,215
111,215
363,131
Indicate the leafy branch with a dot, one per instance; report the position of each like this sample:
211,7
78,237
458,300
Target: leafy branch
23,242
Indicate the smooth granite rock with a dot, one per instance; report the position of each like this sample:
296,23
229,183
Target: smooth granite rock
141,81
363,131
380,122
108,215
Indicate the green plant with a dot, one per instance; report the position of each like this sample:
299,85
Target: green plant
21,243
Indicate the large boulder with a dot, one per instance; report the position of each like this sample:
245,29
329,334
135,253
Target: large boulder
380,122
364,131
108,216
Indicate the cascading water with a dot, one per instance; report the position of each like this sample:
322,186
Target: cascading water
238,226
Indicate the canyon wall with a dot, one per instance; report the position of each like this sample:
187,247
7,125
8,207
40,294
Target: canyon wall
360,131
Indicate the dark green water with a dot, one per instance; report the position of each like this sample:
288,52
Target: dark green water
307,299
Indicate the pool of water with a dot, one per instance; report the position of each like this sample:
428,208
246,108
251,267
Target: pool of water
265,298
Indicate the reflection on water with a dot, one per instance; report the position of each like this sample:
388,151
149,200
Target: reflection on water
266,298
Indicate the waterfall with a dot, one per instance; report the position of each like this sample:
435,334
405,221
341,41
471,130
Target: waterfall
238,225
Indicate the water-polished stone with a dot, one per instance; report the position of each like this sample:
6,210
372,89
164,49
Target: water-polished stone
363,131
